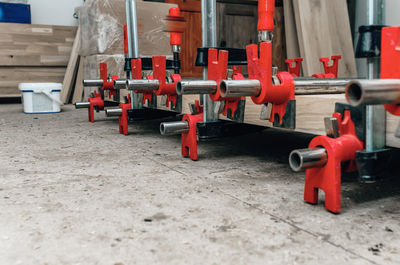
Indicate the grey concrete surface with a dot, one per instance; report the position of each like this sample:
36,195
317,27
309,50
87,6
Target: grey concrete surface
72,192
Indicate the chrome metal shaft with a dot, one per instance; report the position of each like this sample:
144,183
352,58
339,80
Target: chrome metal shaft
193,87
143,84
174,127
302,159
113,112
95,82
82,105
242,88
373,92
120,84
239,88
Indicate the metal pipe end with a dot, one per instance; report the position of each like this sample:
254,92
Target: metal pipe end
174,127
222,88
82,105
295,161
179,88
354,93
303,159
113,112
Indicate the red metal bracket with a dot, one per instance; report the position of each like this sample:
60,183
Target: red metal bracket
294,66
390,57
123,119
160,73
95,103
260,68
328,177
136,65
189,139
331,71
108,84
217,71
232,103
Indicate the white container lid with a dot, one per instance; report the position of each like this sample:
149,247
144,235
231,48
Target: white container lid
37,87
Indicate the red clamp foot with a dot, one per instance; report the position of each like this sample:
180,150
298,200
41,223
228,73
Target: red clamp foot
160,73
232,104
123,119
95,103
294,66
338,150
331,71
189,139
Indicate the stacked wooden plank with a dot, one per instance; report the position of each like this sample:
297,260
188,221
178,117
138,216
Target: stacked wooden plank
33,53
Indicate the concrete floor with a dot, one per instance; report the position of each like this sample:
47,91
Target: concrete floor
72,192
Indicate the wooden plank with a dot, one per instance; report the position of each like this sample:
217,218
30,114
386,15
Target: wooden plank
10,77
70,74
78,91
292,42
323,30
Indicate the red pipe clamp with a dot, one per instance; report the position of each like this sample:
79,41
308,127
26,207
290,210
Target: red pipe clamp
390,57
189,139
328,177
331,71
217,71
260,68
97,102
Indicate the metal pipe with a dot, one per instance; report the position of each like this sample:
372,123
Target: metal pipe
132,29
373,92
95,82
82,105
174,127
113,112
239,88
209,39
143,84
120,84
196,87
242,88
302,159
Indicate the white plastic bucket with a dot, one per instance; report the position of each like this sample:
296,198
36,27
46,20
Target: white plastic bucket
41,97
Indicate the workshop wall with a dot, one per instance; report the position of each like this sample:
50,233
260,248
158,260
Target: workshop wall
51,12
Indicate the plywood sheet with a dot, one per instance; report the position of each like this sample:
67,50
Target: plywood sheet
323,30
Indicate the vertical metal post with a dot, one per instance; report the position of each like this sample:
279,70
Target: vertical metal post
133,44
375,123
209,36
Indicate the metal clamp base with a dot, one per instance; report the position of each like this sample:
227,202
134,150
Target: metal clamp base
372,165
207,131
147,114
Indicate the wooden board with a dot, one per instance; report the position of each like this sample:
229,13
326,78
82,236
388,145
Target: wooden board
292,42
78,90
323,30
10,77
72,67
35,45
308,120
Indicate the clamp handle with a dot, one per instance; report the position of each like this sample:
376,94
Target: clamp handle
174,14
266,9
126,47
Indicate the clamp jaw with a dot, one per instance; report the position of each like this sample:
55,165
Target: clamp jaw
294,66
277,95
188,128
97,102
323,159
217,71
331,71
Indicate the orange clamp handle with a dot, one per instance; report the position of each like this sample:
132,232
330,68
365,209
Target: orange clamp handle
266,9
